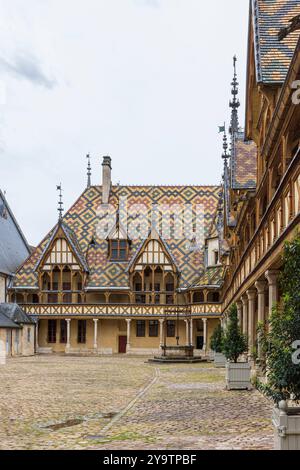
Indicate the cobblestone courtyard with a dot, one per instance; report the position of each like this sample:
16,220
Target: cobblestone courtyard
56,402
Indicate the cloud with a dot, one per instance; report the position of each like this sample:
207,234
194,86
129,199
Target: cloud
27,67
148,3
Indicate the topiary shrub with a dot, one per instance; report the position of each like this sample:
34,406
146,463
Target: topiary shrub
282,364
216,341
234,342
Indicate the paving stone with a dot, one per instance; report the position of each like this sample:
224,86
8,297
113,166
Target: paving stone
186,408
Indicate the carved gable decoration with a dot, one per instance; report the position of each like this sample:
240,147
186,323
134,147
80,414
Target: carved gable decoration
62,249
153,252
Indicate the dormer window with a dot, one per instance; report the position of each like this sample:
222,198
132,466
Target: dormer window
118,250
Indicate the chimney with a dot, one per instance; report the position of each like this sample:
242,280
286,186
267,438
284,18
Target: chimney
106,179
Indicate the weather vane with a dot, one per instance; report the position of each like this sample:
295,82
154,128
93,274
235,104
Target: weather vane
89,171
60,208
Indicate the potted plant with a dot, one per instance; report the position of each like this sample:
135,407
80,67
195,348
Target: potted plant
238,374
280,346
216,344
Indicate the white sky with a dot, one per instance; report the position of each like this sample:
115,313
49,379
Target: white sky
144,81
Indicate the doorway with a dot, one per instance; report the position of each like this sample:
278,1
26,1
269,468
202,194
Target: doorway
200,342
122,344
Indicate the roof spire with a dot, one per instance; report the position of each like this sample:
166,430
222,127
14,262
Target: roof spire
60,208
234,103
225,155
89,171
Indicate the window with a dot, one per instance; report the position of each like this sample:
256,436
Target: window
28,335
118,250
51,331
140,328
171,329
63,331
81,332
153,328
169,297
139,298
52,298
216,257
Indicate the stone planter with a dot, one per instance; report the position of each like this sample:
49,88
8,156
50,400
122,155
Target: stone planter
286,422
238,376
211,355
220,360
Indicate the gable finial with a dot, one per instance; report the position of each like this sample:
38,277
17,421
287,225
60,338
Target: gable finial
234,104
89,171
60,207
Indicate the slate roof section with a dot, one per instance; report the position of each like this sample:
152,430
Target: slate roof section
6,322
82,220
272,56
13,245
14,313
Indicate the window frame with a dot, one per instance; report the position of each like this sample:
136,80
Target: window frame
153,328
115,245
141,333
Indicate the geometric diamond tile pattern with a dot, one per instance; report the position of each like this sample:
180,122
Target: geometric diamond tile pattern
83,219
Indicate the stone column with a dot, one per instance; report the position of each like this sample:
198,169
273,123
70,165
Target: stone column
37,336
161,332
187,339
128,320
204,334
245,314
261,287
251,293
191,332
272,277
96,333
68,345
239,305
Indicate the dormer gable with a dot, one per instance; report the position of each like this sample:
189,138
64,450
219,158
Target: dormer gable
153,252
62,250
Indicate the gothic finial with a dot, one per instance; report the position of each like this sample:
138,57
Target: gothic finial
234,103
60,208
225,155
89,171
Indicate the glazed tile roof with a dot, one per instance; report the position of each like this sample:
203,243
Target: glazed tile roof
272,56
213,276
82,219
244,164
13,246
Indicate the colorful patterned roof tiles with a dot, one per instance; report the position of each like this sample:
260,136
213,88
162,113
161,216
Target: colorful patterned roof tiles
272,56
244,164
83,217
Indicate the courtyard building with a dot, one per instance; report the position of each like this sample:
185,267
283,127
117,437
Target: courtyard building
262,199
127,290
128,269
